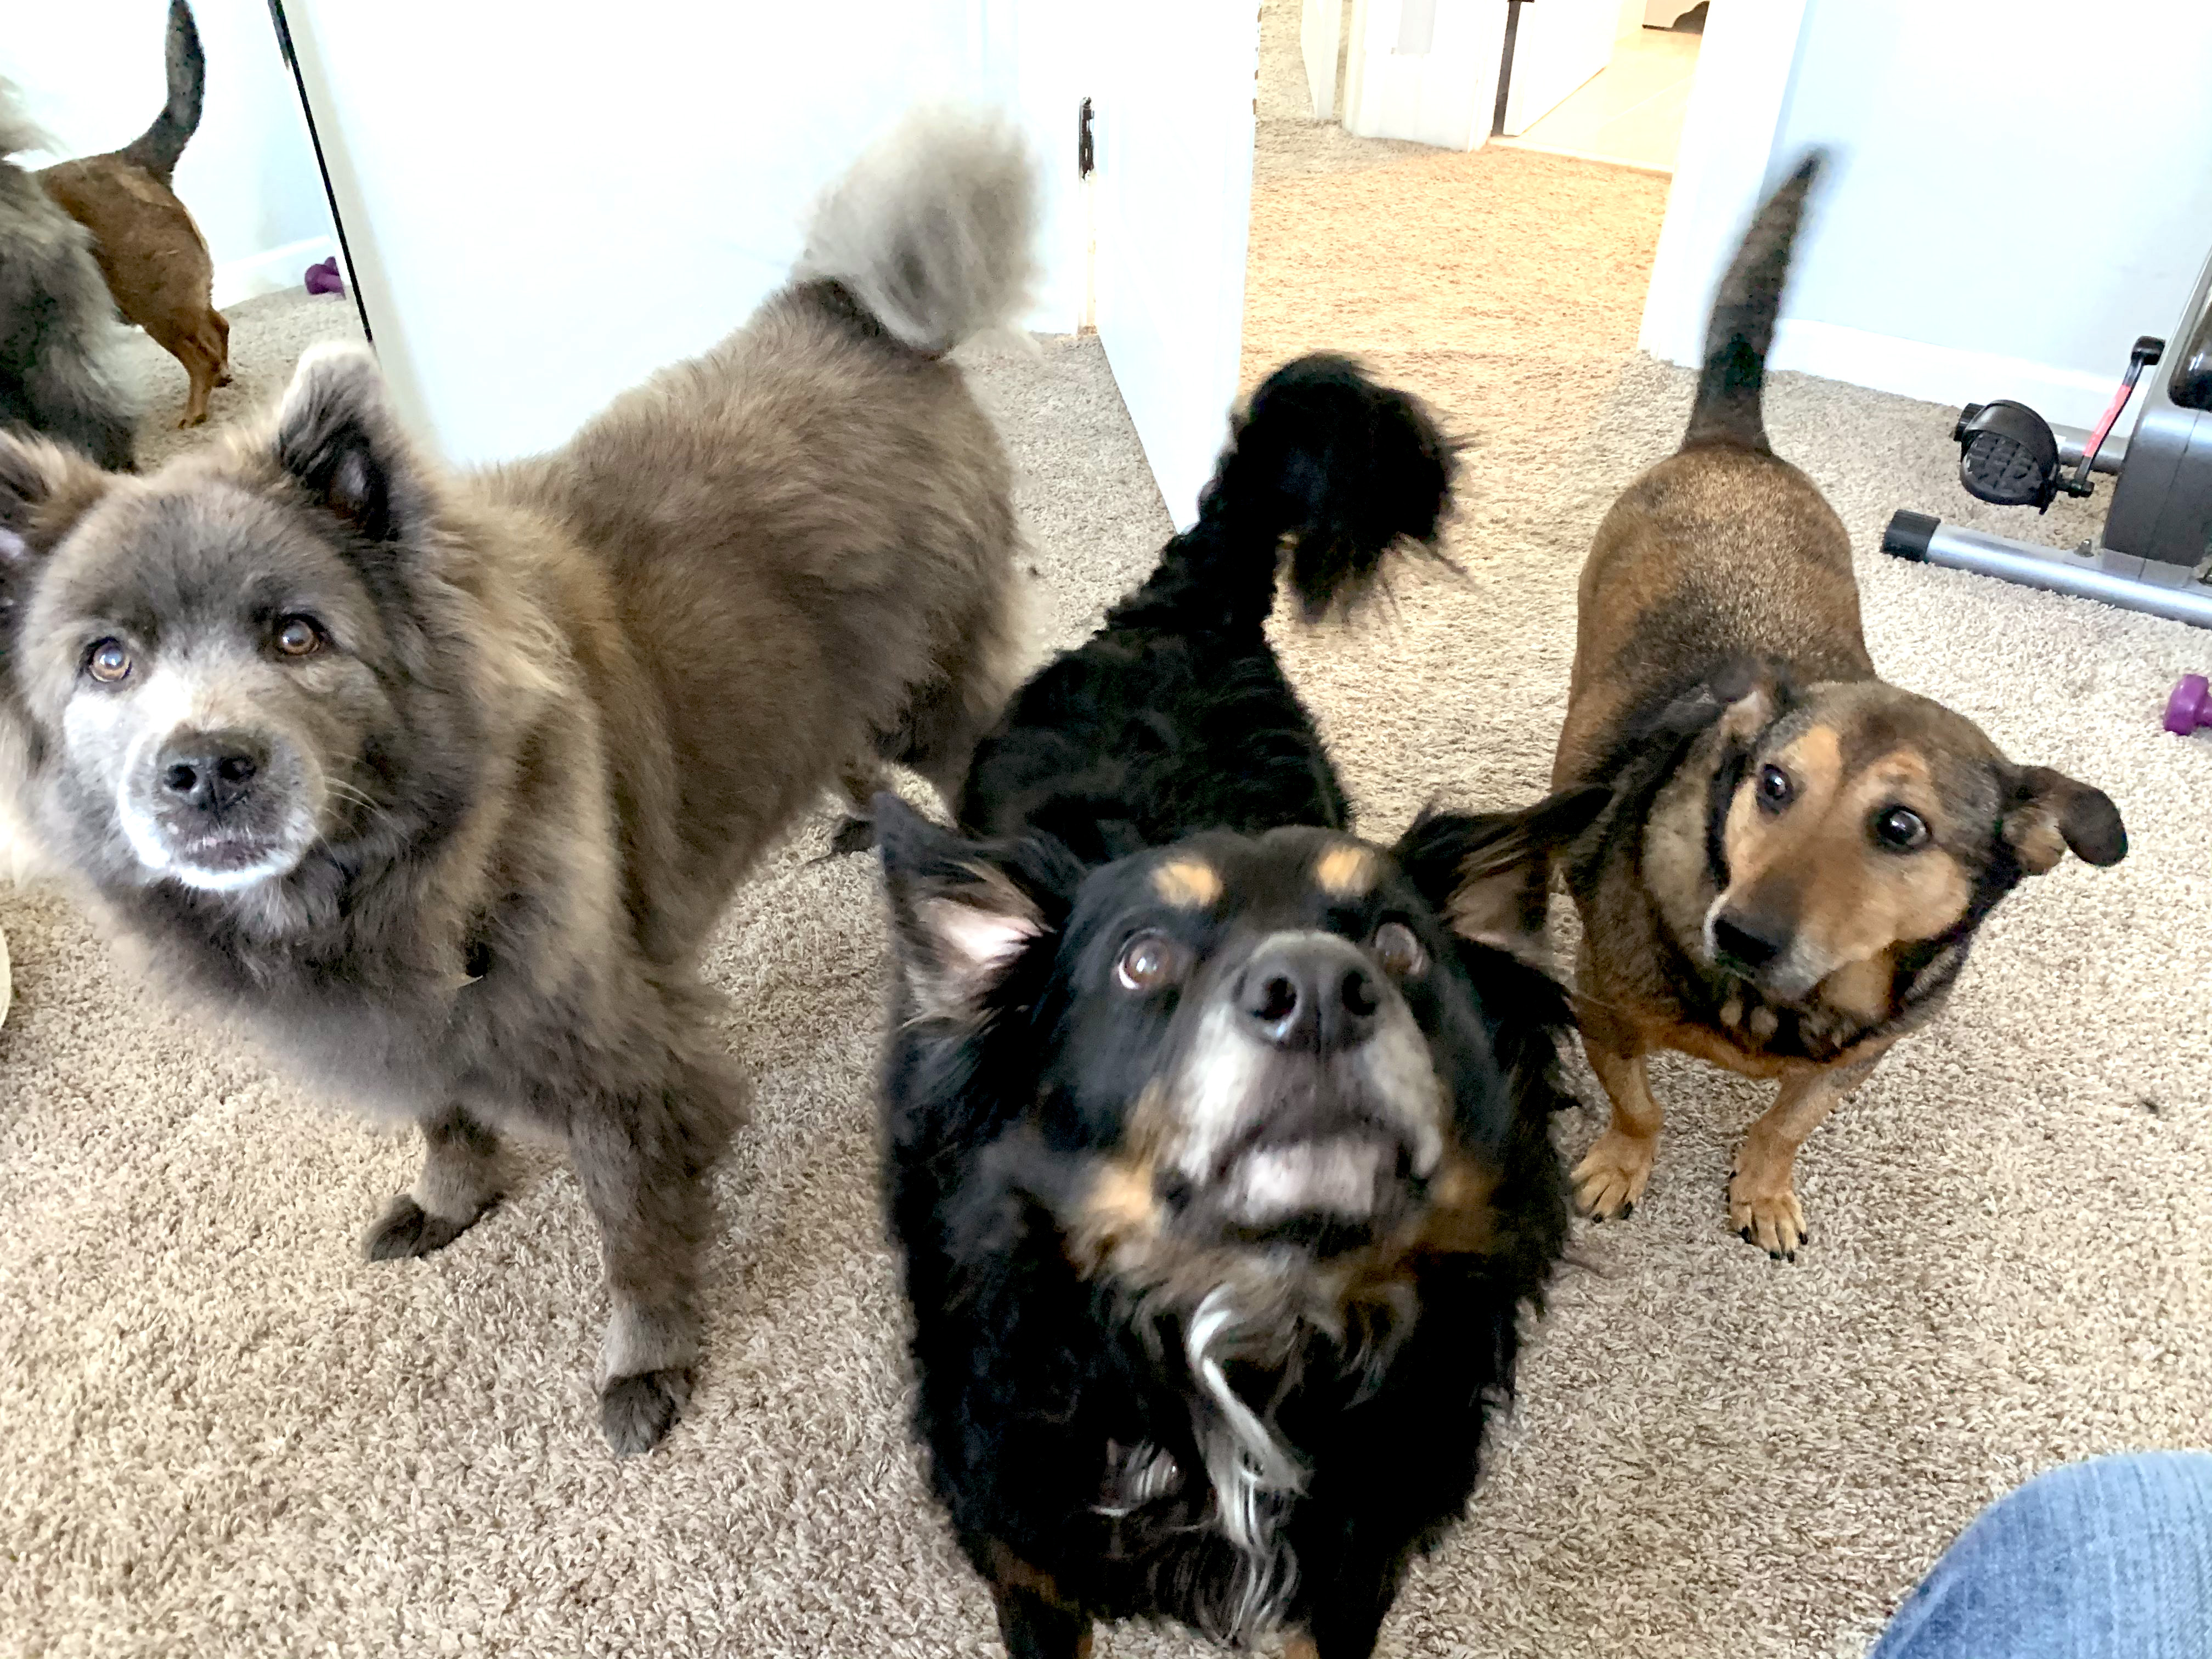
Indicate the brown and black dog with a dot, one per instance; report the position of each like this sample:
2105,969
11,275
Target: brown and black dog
1797,854
152,253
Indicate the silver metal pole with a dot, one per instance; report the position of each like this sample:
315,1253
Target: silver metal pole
2115,578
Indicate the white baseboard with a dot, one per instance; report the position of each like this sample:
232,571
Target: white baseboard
270,271
1942,374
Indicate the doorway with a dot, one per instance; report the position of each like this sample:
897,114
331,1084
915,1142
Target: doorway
1631,113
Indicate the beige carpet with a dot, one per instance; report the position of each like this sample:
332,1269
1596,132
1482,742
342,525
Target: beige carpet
221,1433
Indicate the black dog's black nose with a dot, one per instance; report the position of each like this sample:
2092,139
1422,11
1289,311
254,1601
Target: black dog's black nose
1749,941
1316,993
209,771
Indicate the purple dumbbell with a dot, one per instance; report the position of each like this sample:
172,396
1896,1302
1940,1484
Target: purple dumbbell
2191,705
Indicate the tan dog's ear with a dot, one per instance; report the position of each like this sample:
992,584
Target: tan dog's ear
1750,709
1486,873
2050,812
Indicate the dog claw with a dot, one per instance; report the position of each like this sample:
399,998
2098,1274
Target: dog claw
636,1413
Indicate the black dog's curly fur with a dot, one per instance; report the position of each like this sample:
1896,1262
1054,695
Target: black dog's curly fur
1065,1425
1174,715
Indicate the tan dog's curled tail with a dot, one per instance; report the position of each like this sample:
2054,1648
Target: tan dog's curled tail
1728,409
156,150
933,229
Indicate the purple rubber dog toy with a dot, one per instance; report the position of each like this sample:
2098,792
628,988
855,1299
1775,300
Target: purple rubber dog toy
2191,705
324,278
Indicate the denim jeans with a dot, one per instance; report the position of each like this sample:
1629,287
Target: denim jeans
2106,1560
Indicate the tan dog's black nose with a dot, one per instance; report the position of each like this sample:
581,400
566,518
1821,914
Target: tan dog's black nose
1316,993
1749,941
209,771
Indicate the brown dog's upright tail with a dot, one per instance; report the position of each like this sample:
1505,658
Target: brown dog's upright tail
1728,409
156,150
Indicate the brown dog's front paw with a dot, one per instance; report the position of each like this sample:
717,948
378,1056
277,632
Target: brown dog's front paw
1767,1215
637,1412
1612,1175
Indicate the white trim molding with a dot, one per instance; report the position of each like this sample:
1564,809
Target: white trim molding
271,271
1941,374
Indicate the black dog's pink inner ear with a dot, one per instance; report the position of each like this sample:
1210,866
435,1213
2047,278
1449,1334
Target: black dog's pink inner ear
977,942
960,936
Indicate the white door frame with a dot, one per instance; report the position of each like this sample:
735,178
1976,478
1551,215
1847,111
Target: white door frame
1721,168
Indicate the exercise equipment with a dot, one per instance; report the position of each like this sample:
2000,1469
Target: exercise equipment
2155,551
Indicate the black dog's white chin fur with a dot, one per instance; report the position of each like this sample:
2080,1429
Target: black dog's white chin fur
1342,1177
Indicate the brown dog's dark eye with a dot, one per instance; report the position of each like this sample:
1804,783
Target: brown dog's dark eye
1398,951
1149,962
298,636
108,661
1900,828
1774,788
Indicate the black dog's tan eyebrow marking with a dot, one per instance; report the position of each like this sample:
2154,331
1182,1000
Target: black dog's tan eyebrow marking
1346,871
1190,883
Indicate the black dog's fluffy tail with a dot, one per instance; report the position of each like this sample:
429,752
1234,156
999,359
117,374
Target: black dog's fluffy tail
1729,406
156,150
1345,468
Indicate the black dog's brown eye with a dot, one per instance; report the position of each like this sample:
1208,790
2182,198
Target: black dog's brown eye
296,636
1900,828
108,661
1398,951
1774,788
1149,962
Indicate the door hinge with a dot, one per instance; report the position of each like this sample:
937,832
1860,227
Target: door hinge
1085,159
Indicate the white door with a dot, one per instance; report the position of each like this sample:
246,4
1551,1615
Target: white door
1171,85
1425,69
1320,25
1558,46
540,213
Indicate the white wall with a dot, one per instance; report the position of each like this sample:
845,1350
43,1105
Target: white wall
2013,201
91,72
541,217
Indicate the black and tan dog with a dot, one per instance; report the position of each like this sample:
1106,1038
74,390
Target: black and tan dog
1798,854
1218,1143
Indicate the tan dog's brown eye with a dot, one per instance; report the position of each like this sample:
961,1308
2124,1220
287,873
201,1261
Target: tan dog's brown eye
108,661
297,637
1398,951
1900,828
1149,962
1774,788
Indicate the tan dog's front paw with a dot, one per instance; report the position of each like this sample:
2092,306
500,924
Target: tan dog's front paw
1766,1213
1612,1176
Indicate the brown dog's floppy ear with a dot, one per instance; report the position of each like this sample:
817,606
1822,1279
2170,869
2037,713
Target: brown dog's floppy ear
2050,812
336,436
962,913
1486,873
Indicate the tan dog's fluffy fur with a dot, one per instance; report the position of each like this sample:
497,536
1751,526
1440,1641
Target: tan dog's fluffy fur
1797,854
152,253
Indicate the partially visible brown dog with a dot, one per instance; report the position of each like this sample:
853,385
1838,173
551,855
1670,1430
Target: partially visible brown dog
155,259
1797,854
